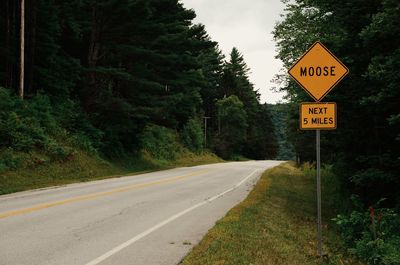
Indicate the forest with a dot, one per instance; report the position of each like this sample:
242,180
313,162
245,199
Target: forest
127,79
364,151
122,78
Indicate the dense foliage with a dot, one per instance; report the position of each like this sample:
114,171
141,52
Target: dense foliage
32,133
279,115
372,234
121,76
365,149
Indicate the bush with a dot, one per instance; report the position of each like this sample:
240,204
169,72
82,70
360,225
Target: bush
372,234
34,126
58,152
78,124
85,143
192,135
21,124
9,160
161,143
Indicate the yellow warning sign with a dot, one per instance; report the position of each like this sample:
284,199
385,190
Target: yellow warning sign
318,71
315,116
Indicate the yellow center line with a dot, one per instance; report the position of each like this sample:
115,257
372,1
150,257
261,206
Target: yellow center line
96,195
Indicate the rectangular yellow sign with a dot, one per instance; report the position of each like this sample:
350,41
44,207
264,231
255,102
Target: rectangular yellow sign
315,116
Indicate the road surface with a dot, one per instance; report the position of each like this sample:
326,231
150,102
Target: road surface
153,218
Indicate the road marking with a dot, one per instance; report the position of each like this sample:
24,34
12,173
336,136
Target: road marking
95,195
163,223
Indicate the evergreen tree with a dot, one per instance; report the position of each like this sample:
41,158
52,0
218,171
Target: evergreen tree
261,139
260,142
235,81
211,61
364,148
280,119
233,134
127,65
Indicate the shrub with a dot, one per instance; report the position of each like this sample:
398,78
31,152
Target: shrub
22,126
372,234
57,152
78,123
9,160
160,142
192,135
85,142
35,126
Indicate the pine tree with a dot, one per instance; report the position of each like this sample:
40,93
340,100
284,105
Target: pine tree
366,138
234,125
260,134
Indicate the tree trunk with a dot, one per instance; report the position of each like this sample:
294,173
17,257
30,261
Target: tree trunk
94,46
93,56
8,47
31,46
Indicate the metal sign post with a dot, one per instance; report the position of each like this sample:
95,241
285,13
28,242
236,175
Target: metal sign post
318,71
318,138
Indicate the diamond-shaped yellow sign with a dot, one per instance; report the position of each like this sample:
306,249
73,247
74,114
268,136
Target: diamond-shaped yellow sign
318,71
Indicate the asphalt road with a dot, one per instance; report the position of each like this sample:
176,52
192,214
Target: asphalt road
153,218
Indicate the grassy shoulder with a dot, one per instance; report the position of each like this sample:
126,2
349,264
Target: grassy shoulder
84,167
276,224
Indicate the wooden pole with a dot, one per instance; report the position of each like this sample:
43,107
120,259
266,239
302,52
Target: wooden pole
22,51
205,131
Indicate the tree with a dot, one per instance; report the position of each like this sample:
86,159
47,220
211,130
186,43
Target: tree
235,81
9,43
280,118
234,125
211,61
364,151
123,65
261,138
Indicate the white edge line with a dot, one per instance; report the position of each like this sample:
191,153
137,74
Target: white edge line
165,222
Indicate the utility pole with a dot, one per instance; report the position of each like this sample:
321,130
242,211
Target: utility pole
205,130
219,123
22,51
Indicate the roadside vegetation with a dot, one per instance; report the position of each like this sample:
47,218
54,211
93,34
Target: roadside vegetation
118,86
116,73
276,224
45,145
82,167
111,81
364,150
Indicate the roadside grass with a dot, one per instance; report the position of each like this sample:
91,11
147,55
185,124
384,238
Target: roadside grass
188,159
276,224
82,167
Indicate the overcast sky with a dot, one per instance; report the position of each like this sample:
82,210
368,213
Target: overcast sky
247,25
